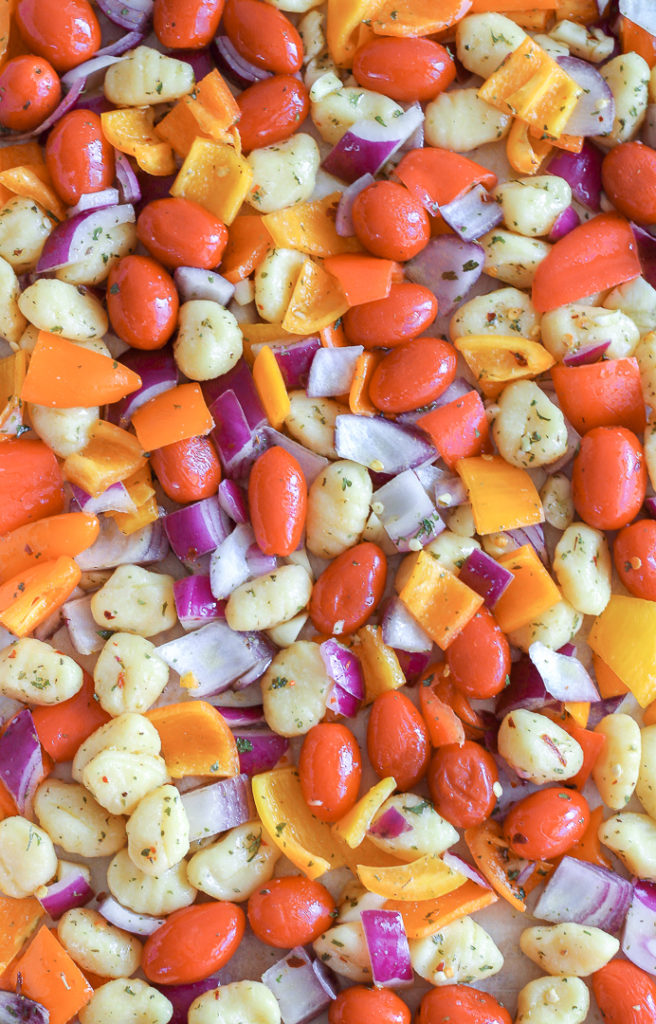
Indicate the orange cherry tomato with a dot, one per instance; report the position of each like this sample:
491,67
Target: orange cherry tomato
263,35
186,24
634,553
193,943
406,70
78,157
628,174
461,781
188,470
625,994
389,222
277,495
459,1004
397,740
547,823
479,657
385,323
181,233
29,92
66,33
360,1005
330,767
142,302
271,111
413,374
31,483
609,478
349,590
290,911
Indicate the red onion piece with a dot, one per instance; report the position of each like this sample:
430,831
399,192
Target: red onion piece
196,529
594,112
650,506
128,181
600,708
18,1009
237,444
200,61
532,535
417,139
449,267
258,563
311,464
565,678
648,131
368,144
473,213
94,201
216,808
158,372
71,890
115,499
128,920
412,663
484,575
182,996
564,223
122,44
66,103
238,717
295,360
196,283
135,14
114,548
344,217
259,749
233,501
402,631
389,825
21,761
639,935
408,514
102,59
81,625
582,171
228,565
526,689
343,667
195,603
235,67
73,239
456,863
380,444
647,252
216,656
301,993
239,380
332,371
388,947
342,703
586,894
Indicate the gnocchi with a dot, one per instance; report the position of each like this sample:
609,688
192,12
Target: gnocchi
460,121
460,953
537,748
145,76
338,507
511,257
617,767
119,779
344,949
25,222
583,568
101,255
236,865
236,1003
129,1000
568,949
270,599
557,501
627,75
62,308
27,857
529,430
98,946
311,421
66,431
484,41
505,311
76,821
275,278
553,1001
158,831
135,600
632,838
129,731
646,782
129,675
555,627
294,689
209,341
568,329
144,893
31,671
283,174
429,832
12,321
531,206
338,111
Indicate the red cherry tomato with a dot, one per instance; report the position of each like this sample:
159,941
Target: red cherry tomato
188,470
263,36
406,70
389,222
181,233
78,157
142,302
349,590
193,943
29,92
330,767
182,24
628,174
413,374
290,911
271,111
547,823
66,33
609,479
458,1004
625,994
461,781
385,323
634,553
31,483
397,740
360,1005
479,657
277,495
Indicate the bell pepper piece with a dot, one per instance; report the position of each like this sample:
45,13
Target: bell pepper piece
62,375
353,827
30,597
12,375
179,128
316,302
608,684
603,394
426,878
196,740
418,17
51,977
111,455
495,359
310,228
132,131
379,662
525,153
19,919
438,600
248,243
624,637
422,918
531,592
503,497
458,429
213,106
174,415
270,386
216,176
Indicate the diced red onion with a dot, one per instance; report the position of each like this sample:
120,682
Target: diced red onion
639,935
485,576
586,894
8,706
18,1009
81,625
154,186
102,59
456,863
342,703
228,565
449,267
647,252
128,181
238,717
196,529
332,370
531,535
194,602
473,213
50,625
601,708
237,443
259,749
564,223
71,890
121,45
66,103
449,490
21,761
641,12
97,105
513,788
389,825
182,996
586,354
408,515
402,631
115,499
73,239
380,444
158,372
94,201
344,217
258,563
295,360
526,689
114,548
233,501
239,380
368,144
135,14
416,140
573,443
412,663
128,920
235,67
565,678
301,994
388,947
200,61
216,808
582,171
311,464
257,669
216,656
594,112
196,283
650,506
343,667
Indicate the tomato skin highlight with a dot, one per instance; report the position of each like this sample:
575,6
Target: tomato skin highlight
290,911
186,24
181,233
459,1004
263,35
547,823
389,222
349,590
271,111
628,175
461,783
193,943
406,70
479,657
277,495
609,478
385,323
360,1005
65,34
188,470
32,81
142,302
78,157
625,994
330,767
413,374
397,740
634,553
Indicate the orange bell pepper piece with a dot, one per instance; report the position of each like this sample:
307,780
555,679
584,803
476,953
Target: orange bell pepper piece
333,336
49,976
33,182
361,278
213,106
316,302
270,386
495,359
422,918
442,722
310,228
29,598
112,455
603,394
635,39
19,919
437,176
196,740
525,153
29,545
503,497
438,600
531,592
61,728
62,375
588,846
248,243
459,429
418,17
132,130
359,401
179,128
495,860
172,416
379,662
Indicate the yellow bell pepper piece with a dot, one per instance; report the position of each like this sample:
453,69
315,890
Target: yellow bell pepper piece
426,878
213,106
579,710
310,228
12,376
353,827
440,602
271,387
33,182
307,842
503,497
380,665
111,455
216,176
316,302
531,592
141,490
344,19
132,131
496,359
525,154
624,637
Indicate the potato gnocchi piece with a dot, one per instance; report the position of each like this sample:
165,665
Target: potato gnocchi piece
33,672
646,784
236,1003
337,112
106,251
76,821
275,278
484,41
311,421
157,895
311,30
144,77
649,445
269,600
353,899
587,43
236,865
529,430
129,1000
531,206
511,257
460,121
645,353
64,309
66,431
632,838
338,507
283,174
287,632
583,568
568,949
294,689
504,311
637,300
158,831
119,779
12,321
129,732
24,227
27,857
344,950
617,768
568,329
429,831
557,502
209,341
555,627
553,1001
135,600
627,75
95,945
460,953
129,675
537,748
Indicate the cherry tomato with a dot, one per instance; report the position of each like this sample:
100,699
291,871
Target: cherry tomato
609,479
142,302
413,374
406,70
182,24
277,495
29,92
628,174
193,943
547,823
181,233
461,781
459,1004
397,740
349,590
290,911
360,1005
635,558
479,657
78,157
330,767
31,483
385,323
624,993
389,222
66,33
263,36
271,111
188,470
